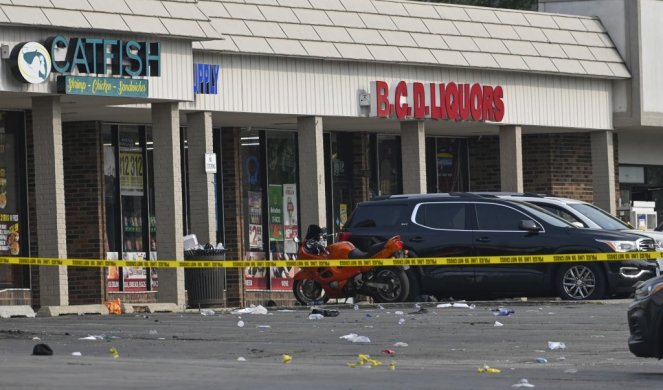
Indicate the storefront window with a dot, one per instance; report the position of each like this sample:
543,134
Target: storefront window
269,187
129,199
13,205
446,164
386,173
338,165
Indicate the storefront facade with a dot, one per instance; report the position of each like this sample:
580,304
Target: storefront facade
308,109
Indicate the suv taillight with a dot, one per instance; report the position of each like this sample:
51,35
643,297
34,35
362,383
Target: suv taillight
344,236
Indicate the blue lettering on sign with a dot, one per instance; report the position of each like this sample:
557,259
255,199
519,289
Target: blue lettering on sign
206,79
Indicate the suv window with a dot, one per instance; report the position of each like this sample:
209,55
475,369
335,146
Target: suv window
441,215
600,217
376,216
560,212
498,217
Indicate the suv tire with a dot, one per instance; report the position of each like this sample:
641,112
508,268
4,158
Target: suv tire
579,282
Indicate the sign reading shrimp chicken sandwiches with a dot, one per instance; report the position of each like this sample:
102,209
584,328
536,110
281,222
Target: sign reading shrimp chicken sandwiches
446,101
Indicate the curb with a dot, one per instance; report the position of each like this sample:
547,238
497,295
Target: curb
16,311
55,311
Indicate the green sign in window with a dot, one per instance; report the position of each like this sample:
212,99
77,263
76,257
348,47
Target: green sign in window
103,86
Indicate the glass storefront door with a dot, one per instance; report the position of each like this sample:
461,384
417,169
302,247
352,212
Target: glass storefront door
13,203
129,200
270,204
446,164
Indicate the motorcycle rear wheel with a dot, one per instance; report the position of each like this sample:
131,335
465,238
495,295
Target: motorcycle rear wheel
398,285
309,291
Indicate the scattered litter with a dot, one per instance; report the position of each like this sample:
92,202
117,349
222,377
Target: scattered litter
380,307
400,344
114,353
355,338
42,350
368,326
457,349
36,339
421,310
571,371
286,358
524,299
92,337
327,312
316,317
399,313
561,358
459,305
503,312
240,323
364,359
286,311
392,366
497,323
260,309
541,360
389,352
488,370
154,331
76,354
554,345
523,383
241,359
368,315
263,326
401,321
207,312
356,307
114,306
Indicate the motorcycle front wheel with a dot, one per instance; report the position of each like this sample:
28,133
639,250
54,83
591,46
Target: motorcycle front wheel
396,285
308,292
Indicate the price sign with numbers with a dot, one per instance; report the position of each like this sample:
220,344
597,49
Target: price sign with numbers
131,173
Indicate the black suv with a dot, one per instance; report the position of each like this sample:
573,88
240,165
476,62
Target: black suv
464,224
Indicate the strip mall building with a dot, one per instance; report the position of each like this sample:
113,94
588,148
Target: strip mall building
126,125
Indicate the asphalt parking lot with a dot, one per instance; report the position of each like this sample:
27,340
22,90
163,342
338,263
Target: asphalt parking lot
432,348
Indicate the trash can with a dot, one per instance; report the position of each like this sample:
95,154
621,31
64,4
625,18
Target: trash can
205,286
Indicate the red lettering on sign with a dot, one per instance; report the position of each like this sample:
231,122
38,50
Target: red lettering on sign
400,92
488,113
381,91
498,93
476,101
451,101
464,101
419,97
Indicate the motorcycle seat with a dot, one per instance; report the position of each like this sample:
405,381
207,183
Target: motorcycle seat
359,254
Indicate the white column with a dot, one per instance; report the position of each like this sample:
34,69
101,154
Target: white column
202,200
50,198
603,171
168,199
311,172
413,157
511,158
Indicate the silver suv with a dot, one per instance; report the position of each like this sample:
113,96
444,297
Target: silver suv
582,214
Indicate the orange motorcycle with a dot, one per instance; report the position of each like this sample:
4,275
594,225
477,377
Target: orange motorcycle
315,285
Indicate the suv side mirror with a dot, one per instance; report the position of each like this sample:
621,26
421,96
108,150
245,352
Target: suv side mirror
529,225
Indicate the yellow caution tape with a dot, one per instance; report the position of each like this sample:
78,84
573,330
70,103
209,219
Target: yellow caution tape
413,261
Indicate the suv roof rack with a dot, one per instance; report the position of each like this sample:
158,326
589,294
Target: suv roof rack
428,195
505,193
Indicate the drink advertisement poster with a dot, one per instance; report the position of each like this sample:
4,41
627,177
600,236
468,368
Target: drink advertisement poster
255,278
290,212
134,278
275,204
113,275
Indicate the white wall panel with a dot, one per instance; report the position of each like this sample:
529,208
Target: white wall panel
176,60
274,85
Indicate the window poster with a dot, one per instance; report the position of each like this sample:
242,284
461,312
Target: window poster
113,274
255,278
134,278
275,204
255,220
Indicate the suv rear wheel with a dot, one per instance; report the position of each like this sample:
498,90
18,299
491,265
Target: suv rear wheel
580,282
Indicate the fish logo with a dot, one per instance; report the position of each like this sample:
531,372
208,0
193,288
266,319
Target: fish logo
33,62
